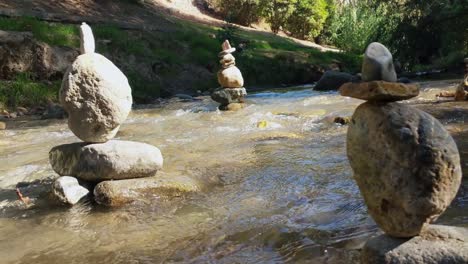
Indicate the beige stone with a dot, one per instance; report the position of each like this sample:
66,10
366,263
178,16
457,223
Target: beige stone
230,78
87,43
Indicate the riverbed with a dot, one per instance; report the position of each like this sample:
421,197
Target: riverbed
277,186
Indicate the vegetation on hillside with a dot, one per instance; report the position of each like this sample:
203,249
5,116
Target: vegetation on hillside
155,62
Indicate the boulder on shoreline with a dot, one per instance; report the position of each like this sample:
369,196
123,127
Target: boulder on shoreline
113,160
406,165
436,244
332,80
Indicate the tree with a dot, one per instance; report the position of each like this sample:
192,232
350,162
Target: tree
277,12
307,19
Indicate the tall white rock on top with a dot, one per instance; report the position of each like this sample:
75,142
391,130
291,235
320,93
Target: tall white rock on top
95,94
230,76
87,43
378,64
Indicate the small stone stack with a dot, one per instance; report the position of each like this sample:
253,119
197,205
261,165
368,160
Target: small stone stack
97,97
231,93
407,167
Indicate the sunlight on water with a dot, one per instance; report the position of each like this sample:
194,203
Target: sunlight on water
278,188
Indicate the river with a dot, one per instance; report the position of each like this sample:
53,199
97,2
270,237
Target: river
278,188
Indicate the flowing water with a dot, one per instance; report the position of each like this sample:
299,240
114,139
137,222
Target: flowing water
279,188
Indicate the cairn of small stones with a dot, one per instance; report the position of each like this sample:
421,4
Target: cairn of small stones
231,93
407,167
97,97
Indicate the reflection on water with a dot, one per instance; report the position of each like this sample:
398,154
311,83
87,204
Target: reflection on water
281,193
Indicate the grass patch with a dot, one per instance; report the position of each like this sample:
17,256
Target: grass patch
23,91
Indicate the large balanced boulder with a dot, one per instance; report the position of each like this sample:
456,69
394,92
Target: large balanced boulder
405,163
118,193
96,96
380,91
113,160
332,80
436,244
378,64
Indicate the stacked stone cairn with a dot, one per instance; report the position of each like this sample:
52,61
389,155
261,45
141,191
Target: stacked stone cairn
407,167
97,97
231,93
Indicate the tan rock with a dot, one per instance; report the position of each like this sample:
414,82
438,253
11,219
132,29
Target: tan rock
406,165
118,193
232,107
380,91
231,78
2,126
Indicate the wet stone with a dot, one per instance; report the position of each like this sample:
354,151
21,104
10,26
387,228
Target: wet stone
380,91
121,192
67,190
225,96
436,244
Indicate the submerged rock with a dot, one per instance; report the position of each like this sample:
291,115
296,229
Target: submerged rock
67,190
377,64
332,80
118,193
380,91
113,160
436,244
231,107
405,163
2,126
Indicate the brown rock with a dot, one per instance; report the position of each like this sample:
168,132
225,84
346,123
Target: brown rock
2,126
405,163
436,244
232,107
118,193
380,91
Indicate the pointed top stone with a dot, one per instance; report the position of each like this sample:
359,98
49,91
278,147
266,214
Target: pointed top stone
87,44
227,49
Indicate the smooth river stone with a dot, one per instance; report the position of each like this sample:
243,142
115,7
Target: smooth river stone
67,190
380,91
113,160
406,165
97,97
230,78
121,192
436,244
378,64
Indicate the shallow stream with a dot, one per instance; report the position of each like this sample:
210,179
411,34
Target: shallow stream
279,188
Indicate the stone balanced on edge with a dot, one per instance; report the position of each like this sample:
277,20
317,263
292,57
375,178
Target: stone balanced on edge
97,98
231,93
407,167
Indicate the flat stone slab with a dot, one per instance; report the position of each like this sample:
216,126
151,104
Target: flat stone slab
118,193
380,91
225,96
436,244
113,160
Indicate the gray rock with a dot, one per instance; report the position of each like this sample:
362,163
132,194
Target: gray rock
380,91
332,80
54,111
378,64
96,96
225,96
405,163
67,190
435,245
113,160
118,193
